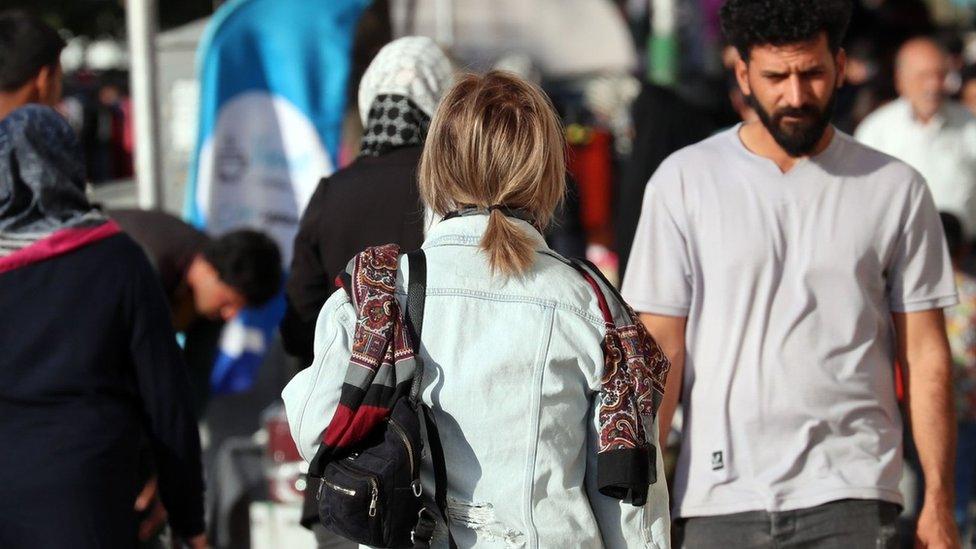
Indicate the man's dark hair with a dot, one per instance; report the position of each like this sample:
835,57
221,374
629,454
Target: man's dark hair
749,23
248,261
27,45
955,238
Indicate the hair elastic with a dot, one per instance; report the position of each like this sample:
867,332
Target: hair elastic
507,211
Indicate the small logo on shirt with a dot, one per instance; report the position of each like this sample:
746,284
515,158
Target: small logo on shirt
717,461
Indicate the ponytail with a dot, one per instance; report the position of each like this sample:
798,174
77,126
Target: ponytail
510,250
496,143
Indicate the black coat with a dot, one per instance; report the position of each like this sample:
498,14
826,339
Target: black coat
89,365
371,202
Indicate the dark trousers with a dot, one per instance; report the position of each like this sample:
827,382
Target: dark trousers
844,524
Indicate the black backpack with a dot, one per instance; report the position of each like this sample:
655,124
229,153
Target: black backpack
374,495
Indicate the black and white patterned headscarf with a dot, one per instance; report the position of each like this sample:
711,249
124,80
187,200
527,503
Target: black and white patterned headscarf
399,93
394,121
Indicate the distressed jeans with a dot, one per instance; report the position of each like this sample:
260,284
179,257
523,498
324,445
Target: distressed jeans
844,524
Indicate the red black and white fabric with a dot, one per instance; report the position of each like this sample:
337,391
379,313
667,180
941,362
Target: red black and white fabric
382,366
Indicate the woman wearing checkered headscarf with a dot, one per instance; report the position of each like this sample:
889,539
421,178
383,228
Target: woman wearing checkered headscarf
399,92
374,200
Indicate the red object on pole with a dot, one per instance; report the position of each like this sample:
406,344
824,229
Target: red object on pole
590,162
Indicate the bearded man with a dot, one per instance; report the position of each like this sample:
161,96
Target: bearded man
785,268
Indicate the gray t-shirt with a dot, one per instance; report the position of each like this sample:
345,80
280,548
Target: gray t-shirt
788,282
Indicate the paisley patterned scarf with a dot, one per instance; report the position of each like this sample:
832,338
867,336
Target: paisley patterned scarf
382,364
634,374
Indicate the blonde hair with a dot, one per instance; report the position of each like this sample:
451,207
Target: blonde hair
495,140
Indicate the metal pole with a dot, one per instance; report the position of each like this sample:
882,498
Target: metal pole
663,46
140,18
444,21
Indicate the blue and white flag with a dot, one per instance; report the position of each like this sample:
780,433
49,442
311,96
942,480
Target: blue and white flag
243,346
273,87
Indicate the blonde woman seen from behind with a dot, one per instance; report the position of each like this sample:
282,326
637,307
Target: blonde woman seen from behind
511,341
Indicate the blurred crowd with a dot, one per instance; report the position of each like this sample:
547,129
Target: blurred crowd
909,92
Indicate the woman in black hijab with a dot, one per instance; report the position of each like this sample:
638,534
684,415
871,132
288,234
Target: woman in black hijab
89,366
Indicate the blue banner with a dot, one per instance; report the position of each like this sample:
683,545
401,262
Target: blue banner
273,86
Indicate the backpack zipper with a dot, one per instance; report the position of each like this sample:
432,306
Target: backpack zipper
338,488
406,442
375,496
415,484
374,489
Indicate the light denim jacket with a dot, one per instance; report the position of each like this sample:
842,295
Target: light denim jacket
512,370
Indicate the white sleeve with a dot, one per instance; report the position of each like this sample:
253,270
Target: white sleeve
920,272
312,396
659,278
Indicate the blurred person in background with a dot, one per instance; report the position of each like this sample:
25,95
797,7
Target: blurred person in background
30,62
925,129
372,201
793,436
863,85
90,367
663,122
961,329
110,152
207,281
967,90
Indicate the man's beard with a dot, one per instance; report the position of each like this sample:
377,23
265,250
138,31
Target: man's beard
801,138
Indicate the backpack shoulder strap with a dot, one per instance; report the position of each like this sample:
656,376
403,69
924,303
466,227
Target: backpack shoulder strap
440,474
586,266
601,297
416,296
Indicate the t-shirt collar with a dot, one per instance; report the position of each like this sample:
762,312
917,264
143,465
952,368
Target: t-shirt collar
818,158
